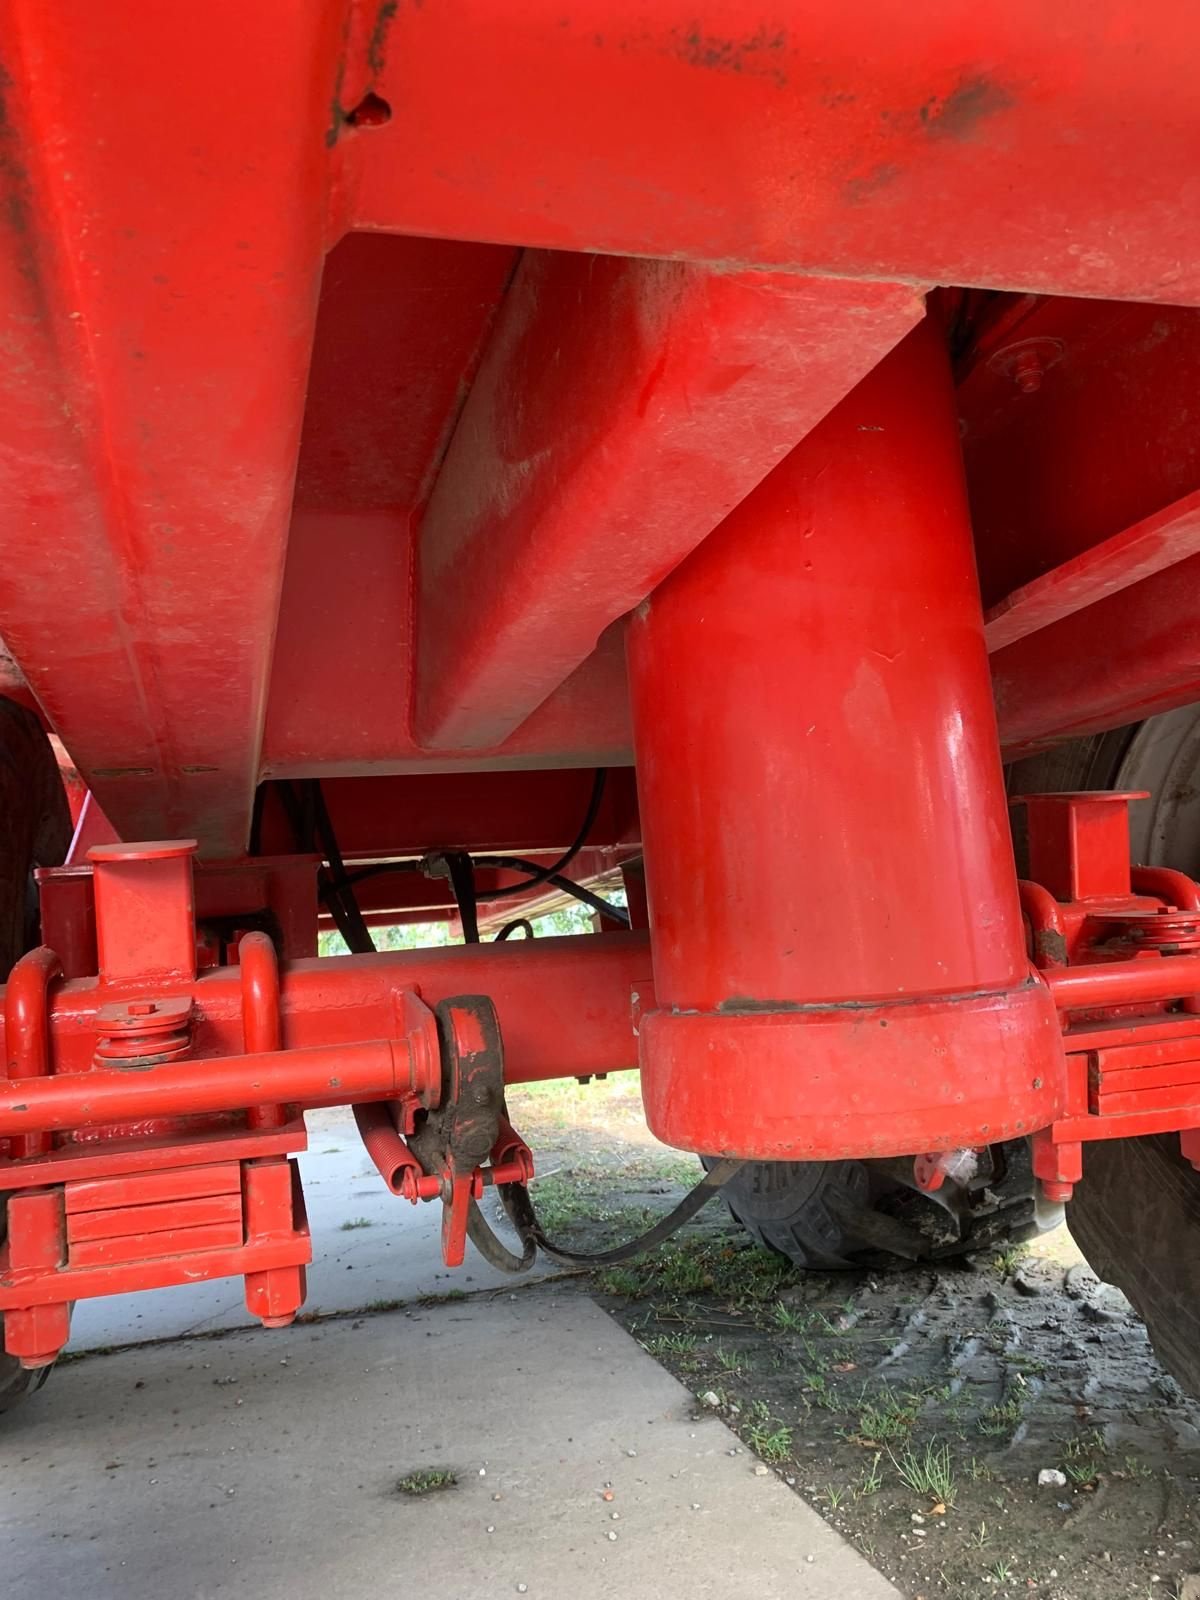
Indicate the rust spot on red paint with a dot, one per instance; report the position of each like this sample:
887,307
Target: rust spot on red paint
959,115
744,1005
1050,948
377,45
856,191
755,54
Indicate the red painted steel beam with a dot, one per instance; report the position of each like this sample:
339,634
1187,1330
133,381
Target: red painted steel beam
518,813
164,221
347,602
1150,546
621,410
1109,484
564,1004
1128,656
1026,147
1102,433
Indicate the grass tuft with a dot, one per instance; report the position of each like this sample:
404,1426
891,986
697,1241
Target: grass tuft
426,1481
772,1441
1001,1419
930,1471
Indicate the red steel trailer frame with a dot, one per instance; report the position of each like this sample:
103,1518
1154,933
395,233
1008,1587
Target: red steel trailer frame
407,413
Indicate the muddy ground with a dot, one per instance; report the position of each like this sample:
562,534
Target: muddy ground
913,1409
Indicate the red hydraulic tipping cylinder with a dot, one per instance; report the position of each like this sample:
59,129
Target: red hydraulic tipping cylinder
839,960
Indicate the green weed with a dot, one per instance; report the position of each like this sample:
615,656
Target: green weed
426,1481
930,1471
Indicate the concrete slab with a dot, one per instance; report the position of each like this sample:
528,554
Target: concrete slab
392,1252
266,1464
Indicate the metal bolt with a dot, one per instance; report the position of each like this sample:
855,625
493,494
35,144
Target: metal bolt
1028,372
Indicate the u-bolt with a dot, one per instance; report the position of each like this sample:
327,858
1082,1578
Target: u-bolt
260,1013
27,1030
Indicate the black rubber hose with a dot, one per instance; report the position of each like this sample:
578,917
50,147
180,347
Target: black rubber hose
462,882
355,932
492,1248
519,1205
548,874
300,812
567,885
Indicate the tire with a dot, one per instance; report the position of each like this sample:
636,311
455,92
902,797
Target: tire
832,1215
37,833
1136,1214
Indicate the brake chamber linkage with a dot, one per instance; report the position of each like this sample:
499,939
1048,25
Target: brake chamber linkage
463,1143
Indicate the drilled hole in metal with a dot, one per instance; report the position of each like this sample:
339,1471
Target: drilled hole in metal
372,111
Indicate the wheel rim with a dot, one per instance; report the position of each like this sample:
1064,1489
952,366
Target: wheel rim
1163,756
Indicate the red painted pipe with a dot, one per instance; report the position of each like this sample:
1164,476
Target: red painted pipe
1123,983
331,1074
1176,888
1046,924
26,1028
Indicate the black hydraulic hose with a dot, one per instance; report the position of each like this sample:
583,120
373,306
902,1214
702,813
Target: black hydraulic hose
355,931
343,882
301,815
512,863
519,1206
492,1248
606,908
461,874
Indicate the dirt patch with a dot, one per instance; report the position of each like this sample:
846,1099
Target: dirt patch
915,1410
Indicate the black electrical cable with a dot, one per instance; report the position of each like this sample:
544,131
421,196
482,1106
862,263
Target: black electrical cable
577,891
548,874
512,864
358,936
461,874
509,928
538,873
311,825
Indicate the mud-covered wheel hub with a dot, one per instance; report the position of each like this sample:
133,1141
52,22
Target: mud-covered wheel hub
832,1215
